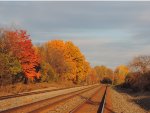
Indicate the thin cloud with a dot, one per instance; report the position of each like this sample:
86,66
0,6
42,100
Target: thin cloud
108,33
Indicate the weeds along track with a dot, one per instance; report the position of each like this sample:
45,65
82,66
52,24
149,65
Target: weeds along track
46,103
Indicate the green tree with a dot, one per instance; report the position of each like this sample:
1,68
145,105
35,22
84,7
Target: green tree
10,68
47,72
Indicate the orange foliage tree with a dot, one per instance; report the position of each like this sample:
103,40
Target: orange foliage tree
21,47
92,76
54,55
78,60
66,60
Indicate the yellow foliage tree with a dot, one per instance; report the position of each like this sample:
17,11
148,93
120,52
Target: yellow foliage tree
120,73
77,58
66,60
103,71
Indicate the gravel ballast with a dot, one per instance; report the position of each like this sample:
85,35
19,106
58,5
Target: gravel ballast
122,103
18,101
70,104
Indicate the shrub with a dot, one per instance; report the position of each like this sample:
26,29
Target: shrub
106,80
9,69
47,73
138,81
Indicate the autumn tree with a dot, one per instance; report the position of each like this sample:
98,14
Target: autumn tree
103,71
10,68
78,60
139,75
92,76
121,73
47,73
20,46
9,65
66,60
54,52
140,64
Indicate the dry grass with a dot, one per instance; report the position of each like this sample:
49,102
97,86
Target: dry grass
19,88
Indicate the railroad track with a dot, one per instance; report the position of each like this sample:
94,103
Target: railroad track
32,93
103,102
39,106
94,104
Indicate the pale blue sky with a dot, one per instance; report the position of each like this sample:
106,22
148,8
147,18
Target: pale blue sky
108,33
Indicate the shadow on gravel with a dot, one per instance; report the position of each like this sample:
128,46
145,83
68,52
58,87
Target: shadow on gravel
143,102
89,100
96,103
140,98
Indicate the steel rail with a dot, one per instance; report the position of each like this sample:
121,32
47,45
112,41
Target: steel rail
40,110
32,93
101,106
41,102
83,103
103,102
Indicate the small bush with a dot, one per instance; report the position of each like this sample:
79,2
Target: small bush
138,81
106,80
